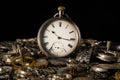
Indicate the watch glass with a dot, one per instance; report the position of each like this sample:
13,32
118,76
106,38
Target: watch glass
58,37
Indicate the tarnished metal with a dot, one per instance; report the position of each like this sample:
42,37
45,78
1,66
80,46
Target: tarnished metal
23,60
107,57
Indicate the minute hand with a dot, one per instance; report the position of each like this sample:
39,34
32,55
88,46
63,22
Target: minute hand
61,37
64,38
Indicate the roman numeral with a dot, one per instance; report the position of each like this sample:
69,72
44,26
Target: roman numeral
46,43
72,39
60,24
47,30
70,45
45,36
53,25
66,27
71,32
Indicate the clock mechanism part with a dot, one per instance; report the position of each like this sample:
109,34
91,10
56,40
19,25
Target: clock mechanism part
59,36
22,59
107,55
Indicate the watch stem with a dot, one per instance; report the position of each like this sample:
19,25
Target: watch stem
61,10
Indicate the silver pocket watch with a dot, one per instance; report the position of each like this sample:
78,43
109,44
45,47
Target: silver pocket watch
58,36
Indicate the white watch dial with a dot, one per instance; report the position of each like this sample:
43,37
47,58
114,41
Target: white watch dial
60,38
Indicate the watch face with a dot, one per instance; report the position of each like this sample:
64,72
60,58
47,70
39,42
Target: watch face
58,37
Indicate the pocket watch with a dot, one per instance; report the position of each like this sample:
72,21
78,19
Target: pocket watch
58,36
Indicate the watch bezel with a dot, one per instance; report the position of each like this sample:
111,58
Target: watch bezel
45,25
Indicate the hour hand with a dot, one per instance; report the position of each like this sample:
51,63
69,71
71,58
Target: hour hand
54,33
57,35
62,37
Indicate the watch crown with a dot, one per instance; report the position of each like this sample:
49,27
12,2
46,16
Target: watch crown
61,8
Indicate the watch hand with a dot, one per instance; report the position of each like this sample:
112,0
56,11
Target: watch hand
65,50
55,33
62,37
51,47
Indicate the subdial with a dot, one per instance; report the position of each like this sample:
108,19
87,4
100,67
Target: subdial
57,49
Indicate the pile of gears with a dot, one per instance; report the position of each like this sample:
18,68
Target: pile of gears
95,60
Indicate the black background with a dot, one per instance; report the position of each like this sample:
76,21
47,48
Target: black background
96,19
